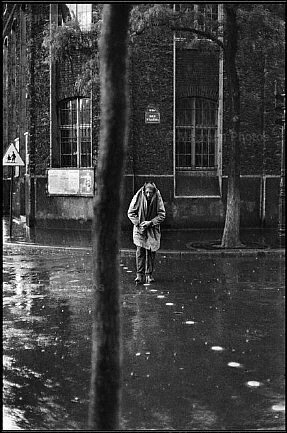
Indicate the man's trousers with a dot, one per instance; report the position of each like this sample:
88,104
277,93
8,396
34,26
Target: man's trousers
145,261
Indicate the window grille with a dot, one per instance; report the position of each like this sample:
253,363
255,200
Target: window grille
196,133
83,13
75,133
186,8
205,17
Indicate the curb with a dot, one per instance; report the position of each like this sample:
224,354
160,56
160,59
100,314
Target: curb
166,253
225,253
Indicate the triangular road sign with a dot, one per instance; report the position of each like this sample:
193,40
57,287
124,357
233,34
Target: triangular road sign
12,156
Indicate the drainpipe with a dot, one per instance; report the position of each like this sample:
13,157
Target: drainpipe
220,101
53,118
281,224
131,119
22,104
263,116
30,203
9,20
5,92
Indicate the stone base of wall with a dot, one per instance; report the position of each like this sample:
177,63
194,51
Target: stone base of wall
259,204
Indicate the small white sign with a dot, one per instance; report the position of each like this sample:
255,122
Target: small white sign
12,156
152,115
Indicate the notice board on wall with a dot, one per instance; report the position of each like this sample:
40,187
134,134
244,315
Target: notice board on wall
74,181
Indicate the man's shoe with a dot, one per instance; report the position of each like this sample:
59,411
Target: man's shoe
150,279
139,279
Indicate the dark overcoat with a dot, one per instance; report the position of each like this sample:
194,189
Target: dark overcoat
138,212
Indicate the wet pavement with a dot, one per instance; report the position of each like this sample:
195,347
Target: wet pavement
172,240
203,347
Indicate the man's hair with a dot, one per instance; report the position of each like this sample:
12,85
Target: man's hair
149,185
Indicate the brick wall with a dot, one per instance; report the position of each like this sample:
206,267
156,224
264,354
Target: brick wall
67,74
197,73
258,156
151,70
150,149
42,93
38,111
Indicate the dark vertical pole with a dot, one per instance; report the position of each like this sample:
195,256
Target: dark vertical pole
105,395
11,201
5,93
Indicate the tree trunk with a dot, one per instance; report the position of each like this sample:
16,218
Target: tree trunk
231,235
105,392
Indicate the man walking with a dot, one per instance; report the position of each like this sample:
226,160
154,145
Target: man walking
146,212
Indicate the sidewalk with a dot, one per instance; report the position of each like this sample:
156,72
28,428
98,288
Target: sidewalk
179,242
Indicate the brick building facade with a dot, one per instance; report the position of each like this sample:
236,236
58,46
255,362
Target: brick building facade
178,133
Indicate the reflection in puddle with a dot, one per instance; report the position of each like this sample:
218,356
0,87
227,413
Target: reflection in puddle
234,364
253,383
278,407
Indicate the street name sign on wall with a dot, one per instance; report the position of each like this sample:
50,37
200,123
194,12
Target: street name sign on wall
12,157
71,181
152,114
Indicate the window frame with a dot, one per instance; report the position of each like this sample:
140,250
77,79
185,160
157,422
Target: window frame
203,13
180,42
207,14
75,128
194,127
85,27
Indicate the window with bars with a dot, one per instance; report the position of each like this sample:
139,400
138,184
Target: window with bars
183,7
75,133
196,133
83,13
205,17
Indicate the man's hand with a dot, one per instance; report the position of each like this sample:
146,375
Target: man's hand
146,224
